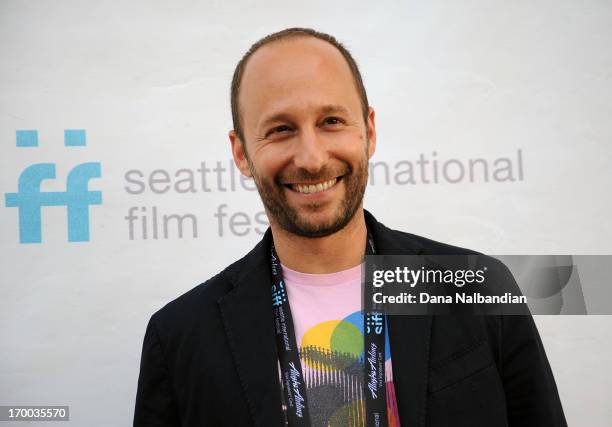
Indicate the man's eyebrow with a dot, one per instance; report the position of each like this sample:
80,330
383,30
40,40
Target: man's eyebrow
286,117
275,118
328,109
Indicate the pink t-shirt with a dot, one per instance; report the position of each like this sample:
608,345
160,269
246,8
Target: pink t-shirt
328,323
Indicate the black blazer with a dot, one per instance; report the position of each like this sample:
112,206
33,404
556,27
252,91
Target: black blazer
209,357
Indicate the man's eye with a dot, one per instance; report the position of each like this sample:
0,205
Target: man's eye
280,129
332,121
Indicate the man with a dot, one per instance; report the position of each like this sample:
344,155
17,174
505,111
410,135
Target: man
304,131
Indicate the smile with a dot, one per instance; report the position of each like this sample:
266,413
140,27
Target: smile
315,187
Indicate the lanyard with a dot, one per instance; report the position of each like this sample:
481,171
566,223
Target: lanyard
294,387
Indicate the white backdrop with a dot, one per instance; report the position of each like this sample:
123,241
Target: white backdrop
523,86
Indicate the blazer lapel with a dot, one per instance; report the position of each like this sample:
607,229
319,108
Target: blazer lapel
409,336
249,326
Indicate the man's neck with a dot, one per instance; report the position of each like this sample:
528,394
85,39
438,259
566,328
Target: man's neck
339,251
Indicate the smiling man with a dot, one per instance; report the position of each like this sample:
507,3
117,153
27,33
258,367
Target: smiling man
279,337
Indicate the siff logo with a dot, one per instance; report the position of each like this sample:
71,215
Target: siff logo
374,322
29,199
279,296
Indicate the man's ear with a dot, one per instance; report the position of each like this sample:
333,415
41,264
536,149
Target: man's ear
240,156
371,131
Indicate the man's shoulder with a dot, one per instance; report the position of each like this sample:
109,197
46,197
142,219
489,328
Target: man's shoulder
199,304
432,247
396,242
404,242
435,247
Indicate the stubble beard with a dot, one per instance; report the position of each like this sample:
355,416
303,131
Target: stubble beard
287,217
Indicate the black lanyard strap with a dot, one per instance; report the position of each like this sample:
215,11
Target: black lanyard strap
294,387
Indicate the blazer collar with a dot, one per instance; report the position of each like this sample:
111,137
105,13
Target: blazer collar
249,326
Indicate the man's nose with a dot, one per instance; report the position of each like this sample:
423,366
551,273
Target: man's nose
310,151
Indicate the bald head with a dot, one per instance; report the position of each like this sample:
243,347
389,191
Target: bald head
291,58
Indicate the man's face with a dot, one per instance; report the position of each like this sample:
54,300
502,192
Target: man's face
307,145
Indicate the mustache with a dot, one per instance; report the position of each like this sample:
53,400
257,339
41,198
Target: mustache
302,175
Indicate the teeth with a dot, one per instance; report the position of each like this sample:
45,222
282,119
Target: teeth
314,188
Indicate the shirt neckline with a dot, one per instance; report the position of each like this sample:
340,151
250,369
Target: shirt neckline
326,279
